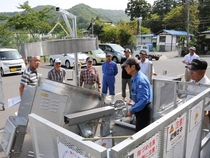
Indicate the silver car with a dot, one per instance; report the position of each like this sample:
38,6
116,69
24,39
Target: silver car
116,50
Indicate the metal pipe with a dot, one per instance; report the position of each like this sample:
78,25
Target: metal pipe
119,122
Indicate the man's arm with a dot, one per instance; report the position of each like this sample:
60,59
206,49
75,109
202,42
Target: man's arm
21,88
184,61
81,78
115,70
98,80
64,75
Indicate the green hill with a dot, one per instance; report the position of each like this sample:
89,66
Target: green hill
85,13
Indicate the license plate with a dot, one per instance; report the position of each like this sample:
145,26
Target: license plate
12,69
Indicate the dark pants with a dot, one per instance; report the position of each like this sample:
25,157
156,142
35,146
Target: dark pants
143,118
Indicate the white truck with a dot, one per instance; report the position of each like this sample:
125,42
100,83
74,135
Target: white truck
150,55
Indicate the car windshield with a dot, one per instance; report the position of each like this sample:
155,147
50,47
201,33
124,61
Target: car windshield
10,55
117,47
98,51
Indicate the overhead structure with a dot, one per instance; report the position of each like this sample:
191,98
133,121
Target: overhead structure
62,46
65,14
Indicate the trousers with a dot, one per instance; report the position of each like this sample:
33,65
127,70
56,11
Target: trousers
143,117
124,83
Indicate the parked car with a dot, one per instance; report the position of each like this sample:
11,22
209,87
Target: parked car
68,59
98,56
116,50
150,55
11,61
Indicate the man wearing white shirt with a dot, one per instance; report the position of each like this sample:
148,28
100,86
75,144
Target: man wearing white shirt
197,71
144,63
187,61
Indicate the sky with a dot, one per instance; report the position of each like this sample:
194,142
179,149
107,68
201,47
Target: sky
11,5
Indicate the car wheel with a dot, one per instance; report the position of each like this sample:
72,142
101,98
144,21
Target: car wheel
94,62
2,72
138,57
67,64
51,62
115,59
150,57
156,58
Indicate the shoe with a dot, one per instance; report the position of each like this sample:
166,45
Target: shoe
124,99
131,102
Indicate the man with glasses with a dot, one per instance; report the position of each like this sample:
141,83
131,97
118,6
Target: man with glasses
30,75
57,73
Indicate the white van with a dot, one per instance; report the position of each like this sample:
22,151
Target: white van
11,61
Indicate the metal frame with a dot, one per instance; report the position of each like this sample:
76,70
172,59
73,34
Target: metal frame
122,149
52,131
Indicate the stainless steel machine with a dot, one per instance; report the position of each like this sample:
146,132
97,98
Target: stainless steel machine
71,107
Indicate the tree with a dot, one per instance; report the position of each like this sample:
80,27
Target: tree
98,28
125,34
204,15
177,19
109,34
32,22
162,7
138,8
154,23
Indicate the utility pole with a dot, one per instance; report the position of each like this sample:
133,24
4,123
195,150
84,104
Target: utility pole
188,21
140,20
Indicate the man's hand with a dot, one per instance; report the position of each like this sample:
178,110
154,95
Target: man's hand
129,114
99,89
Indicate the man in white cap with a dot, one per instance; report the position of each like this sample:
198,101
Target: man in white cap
187,61
57,73
144,63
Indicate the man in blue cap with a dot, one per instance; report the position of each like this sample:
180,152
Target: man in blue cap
109,70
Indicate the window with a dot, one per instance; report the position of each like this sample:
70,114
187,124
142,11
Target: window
162,38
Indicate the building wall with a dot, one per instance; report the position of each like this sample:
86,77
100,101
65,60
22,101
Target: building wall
169,44
141,39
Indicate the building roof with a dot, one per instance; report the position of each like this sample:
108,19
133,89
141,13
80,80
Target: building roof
145,35
175,32
206,32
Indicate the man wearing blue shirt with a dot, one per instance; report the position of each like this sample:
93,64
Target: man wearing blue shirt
141,94
109,70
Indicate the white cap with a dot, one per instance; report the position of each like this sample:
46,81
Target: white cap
57,60
192,48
